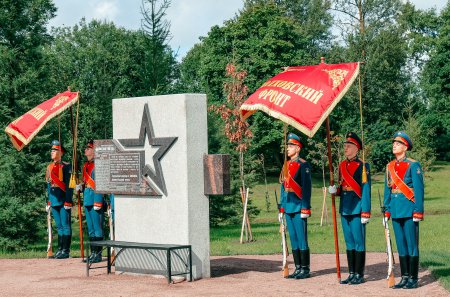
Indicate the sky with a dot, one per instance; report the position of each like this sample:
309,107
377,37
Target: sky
189,19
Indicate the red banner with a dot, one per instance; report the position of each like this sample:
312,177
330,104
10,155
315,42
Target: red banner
303,96
23,129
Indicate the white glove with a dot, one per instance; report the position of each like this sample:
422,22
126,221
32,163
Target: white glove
304,215
385,220
415,220
97,207
280,217
79,188
332,189
66,207
48,208
364,220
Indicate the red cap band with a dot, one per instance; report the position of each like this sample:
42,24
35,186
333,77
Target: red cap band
352,140
293,141
402,140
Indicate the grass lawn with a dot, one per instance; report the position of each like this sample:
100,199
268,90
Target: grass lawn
434,238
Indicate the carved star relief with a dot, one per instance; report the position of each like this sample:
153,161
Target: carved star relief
164,144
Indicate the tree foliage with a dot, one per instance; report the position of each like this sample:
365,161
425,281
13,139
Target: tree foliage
23,80
405,83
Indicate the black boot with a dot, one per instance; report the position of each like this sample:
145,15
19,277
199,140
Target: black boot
304,260
60,246
92,255
98,251
65,253
360,262
404,270
296,255
351,267
413,281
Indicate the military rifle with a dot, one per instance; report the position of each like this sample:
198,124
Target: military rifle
111,230
265,182
390,254
285,268
50,235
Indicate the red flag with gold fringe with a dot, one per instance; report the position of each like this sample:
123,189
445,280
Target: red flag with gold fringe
22,130
303,96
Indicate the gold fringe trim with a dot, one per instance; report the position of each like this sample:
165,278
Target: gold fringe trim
10,131
252,108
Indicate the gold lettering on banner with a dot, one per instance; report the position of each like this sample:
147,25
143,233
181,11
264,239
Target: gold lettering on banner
337,75
275,97
59,101
280,98
37,113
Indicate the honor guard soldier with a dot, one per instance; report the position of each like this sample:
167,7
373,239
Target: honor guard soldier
93,203
295,201
354,207
403,198
60,198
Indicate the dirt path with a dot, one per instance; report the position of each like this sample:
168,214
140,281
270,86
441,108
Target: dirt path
231,276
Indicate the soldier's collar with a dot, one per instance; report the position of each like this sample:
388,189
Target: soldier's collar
401,159
296,159
352,159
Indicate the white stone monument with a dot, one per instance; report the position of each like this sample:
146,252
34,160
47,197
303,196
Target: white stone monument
179,214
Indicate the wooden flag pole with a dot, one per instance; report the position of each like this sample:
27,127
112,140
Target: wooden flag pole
333,203
74,177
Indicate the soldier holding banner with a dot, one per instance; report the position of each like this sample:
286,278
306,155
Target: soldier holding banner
404,201
93,203
354,207
60,202
296,205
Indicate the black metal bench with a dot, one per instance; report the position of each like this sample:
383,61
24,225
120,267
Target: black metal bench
149,247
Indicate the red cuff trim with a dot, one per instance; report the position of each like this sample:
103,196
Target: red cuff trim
67,204
48,203
281,210
99,204
306,211
365,214
387,214
418,215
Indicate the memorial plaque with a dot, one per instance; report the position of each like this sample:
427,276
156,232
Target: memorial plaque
118,171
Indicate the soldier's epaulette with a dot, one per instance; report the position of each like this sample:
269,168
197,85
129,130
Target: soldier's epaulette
361,160
65,163
412,160
302,160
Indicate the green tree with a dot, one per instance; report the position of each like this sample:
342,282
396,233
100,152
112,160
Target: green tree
263,38
435,82
371,33
159,68
100,61
23,34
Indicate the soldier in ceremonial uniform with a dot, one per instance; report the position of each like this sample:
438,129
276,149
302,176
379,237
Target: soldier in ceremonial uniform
403,198
296,205
354,207
59,202
93,203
